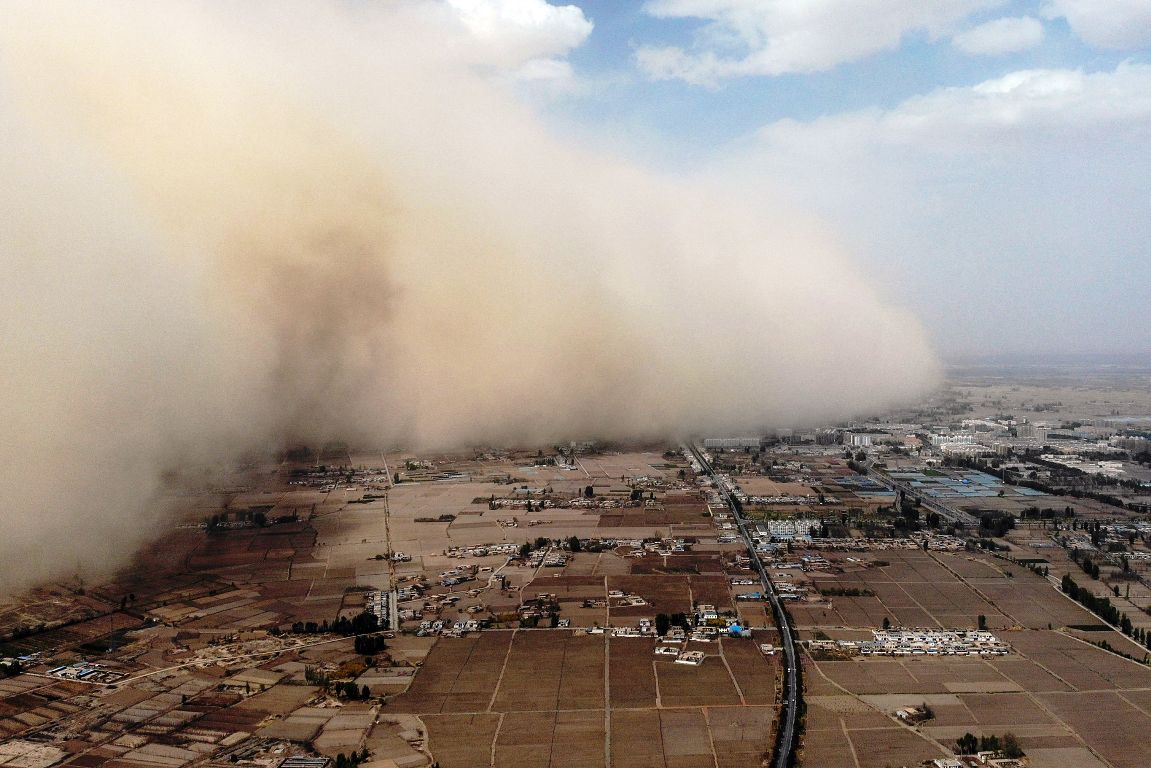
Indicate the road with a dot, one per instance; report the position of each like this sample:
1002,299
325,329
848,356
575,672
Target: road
792,690
393,616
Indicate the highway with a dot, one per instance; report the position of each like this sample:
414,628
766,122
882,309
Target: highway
792,690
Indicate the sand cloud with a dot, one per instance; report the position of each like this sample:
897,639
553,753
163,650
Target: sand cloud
230,227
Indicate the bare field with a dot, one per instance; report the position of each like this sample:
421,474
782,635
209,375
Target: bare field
709,684
637,739
632,672
539,701
948,590
546,739
1108,723
550,670
460,675
1062,696
461,741
882,747
755,673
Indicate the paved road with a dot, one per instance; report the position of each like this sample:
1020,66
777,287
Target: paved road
793,692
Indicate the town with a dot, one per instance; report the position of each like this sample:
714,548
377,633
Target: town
886,588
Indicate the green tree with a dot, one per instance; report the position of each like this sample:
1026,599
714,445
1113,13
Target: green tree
967,744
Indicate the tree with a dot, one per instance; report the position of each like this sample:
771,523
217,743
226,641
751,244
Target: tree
982,621
886,623
1011,746
967,744
365,693
662,624
589,492
573,544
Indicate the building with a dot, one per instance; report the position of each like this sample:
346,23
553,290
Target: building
864,439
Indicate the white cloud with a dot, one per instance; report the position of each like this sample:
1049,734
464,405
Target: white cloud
1026,108
1011,212
1000,36
519,31
773,37
1114,24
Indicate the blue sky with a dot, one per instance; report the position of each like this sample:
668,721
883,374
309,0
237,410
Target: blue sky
986,161
728,110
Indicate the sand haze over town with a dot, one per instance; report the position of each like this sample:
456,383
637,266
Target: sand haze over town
230,227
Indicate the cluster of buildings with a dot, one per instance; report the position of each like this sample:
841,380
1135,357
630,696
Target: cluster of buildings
1105,468
676,636
453,577
663,547
482,550
920,642
548,558
447,628
796,529
986,437
978,760
86,672
619,599
781,499
936,542
378,603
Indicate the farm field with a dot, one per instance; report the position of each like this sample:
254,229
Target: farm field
537,697
1068,701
